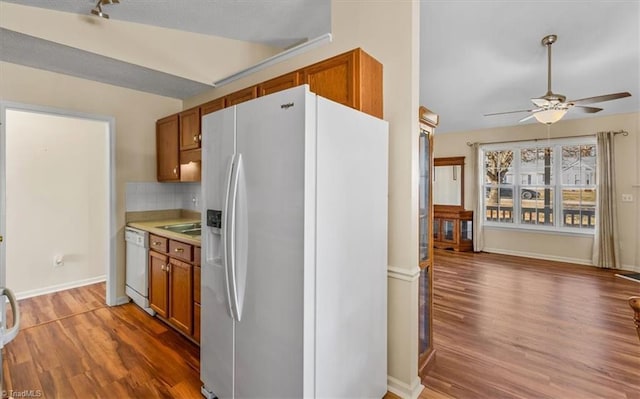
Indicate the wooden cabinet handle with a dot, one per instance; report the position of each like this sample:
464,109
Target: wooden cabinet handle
180,250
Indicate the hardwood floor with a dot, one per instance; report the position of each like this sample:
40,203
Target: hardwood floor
511,327
72,346
504,327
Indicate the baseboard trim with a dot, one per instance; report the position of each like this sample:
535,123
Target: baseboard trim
122,300
586,262
60,287
631,268
399,273
501,251
404,390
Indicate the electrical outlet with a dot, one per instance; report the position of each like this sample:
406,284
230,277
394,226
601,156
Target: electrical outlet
627,197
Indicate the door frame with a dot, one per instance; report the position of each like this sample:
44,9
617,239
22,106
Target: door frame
111,278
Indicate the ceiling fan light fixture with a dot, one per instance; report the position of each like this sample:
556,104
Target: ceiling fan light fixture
97,10
549,116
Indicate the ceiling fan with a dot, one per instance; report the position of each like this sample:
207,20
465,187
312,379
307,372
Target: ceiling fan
551,107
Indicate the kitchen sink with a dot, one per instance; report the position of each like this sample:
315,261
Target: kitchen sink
190,229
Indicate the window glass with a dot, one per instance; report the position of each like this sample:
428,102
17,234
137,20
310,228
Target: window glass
535,184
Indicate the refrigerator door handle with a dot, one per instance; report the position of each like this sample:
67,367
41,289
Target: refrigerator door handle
226,232
231,240
11,333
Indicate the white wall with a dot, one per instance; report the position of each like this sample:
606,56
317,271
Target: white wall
135,115
563,247
56,201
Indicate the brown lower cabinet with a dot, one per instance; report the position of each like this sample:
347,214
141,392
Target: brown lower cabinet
181,295
159,283
172,281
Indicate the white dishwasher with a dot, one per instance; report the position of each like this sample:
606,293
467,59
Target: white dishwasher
137,267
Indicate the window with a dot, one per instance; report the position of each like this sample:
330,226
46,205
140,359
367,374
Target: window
555,189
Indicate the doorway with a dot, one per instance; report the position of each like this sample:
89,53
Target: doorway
57,200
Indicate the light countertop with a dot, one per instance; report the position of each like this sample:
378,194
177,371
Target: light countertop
153,227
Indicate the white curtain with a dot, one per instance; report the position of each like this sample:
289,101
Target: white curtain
478,211
606,251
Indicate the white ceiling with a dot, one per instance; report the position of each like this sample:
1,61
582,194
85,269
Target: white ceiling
477,57
482,57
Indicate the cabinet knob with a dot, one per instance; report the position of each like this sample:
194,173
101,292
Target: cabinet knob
179,250
162,267
168,269
175,171
195,138
200,137
156,243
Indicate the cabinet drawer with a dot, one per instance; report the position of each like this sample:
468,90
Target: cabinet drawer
158,243
196,284
180,250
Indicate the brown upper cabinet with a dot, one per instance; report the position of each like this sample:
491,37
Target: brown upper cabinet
190,129
278,84
241,96
353,79
167,149
212,106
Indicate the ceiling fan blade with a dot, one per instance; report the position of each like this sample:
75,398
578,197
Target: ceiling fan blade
526,118
588,110
511,112
599,99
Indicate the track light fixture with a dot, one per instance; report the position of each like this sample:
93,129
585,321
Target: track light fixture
97,10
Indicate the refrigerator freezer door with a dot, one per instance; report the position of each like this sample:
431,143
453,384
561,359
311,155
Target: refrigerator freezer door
271,139
216,341
351,254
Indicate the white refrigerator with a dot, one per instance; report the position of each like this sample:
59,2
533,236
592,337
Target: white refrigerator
294,263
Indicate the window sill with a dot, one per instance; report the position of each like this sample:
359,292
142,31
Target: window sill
541,230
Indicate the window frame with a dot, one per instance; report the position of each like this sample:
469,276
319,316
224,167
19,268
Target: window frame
557,186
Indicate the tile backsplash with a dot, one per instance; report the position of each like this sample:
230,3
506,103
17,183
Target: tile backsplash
152,196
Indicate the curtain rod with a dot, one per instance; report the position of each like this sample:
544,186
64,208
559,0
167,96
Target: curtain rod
622,132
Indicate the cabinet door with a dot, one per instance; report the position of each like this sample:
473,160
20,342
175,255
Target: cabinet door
448,230
190,129
196,283
334,79
278,84
212,106
158,280
196,321
167,149
241,96
181,295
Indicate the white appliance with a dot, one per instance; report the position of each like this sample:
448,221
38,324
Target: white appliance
137,267
294,273
7,334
